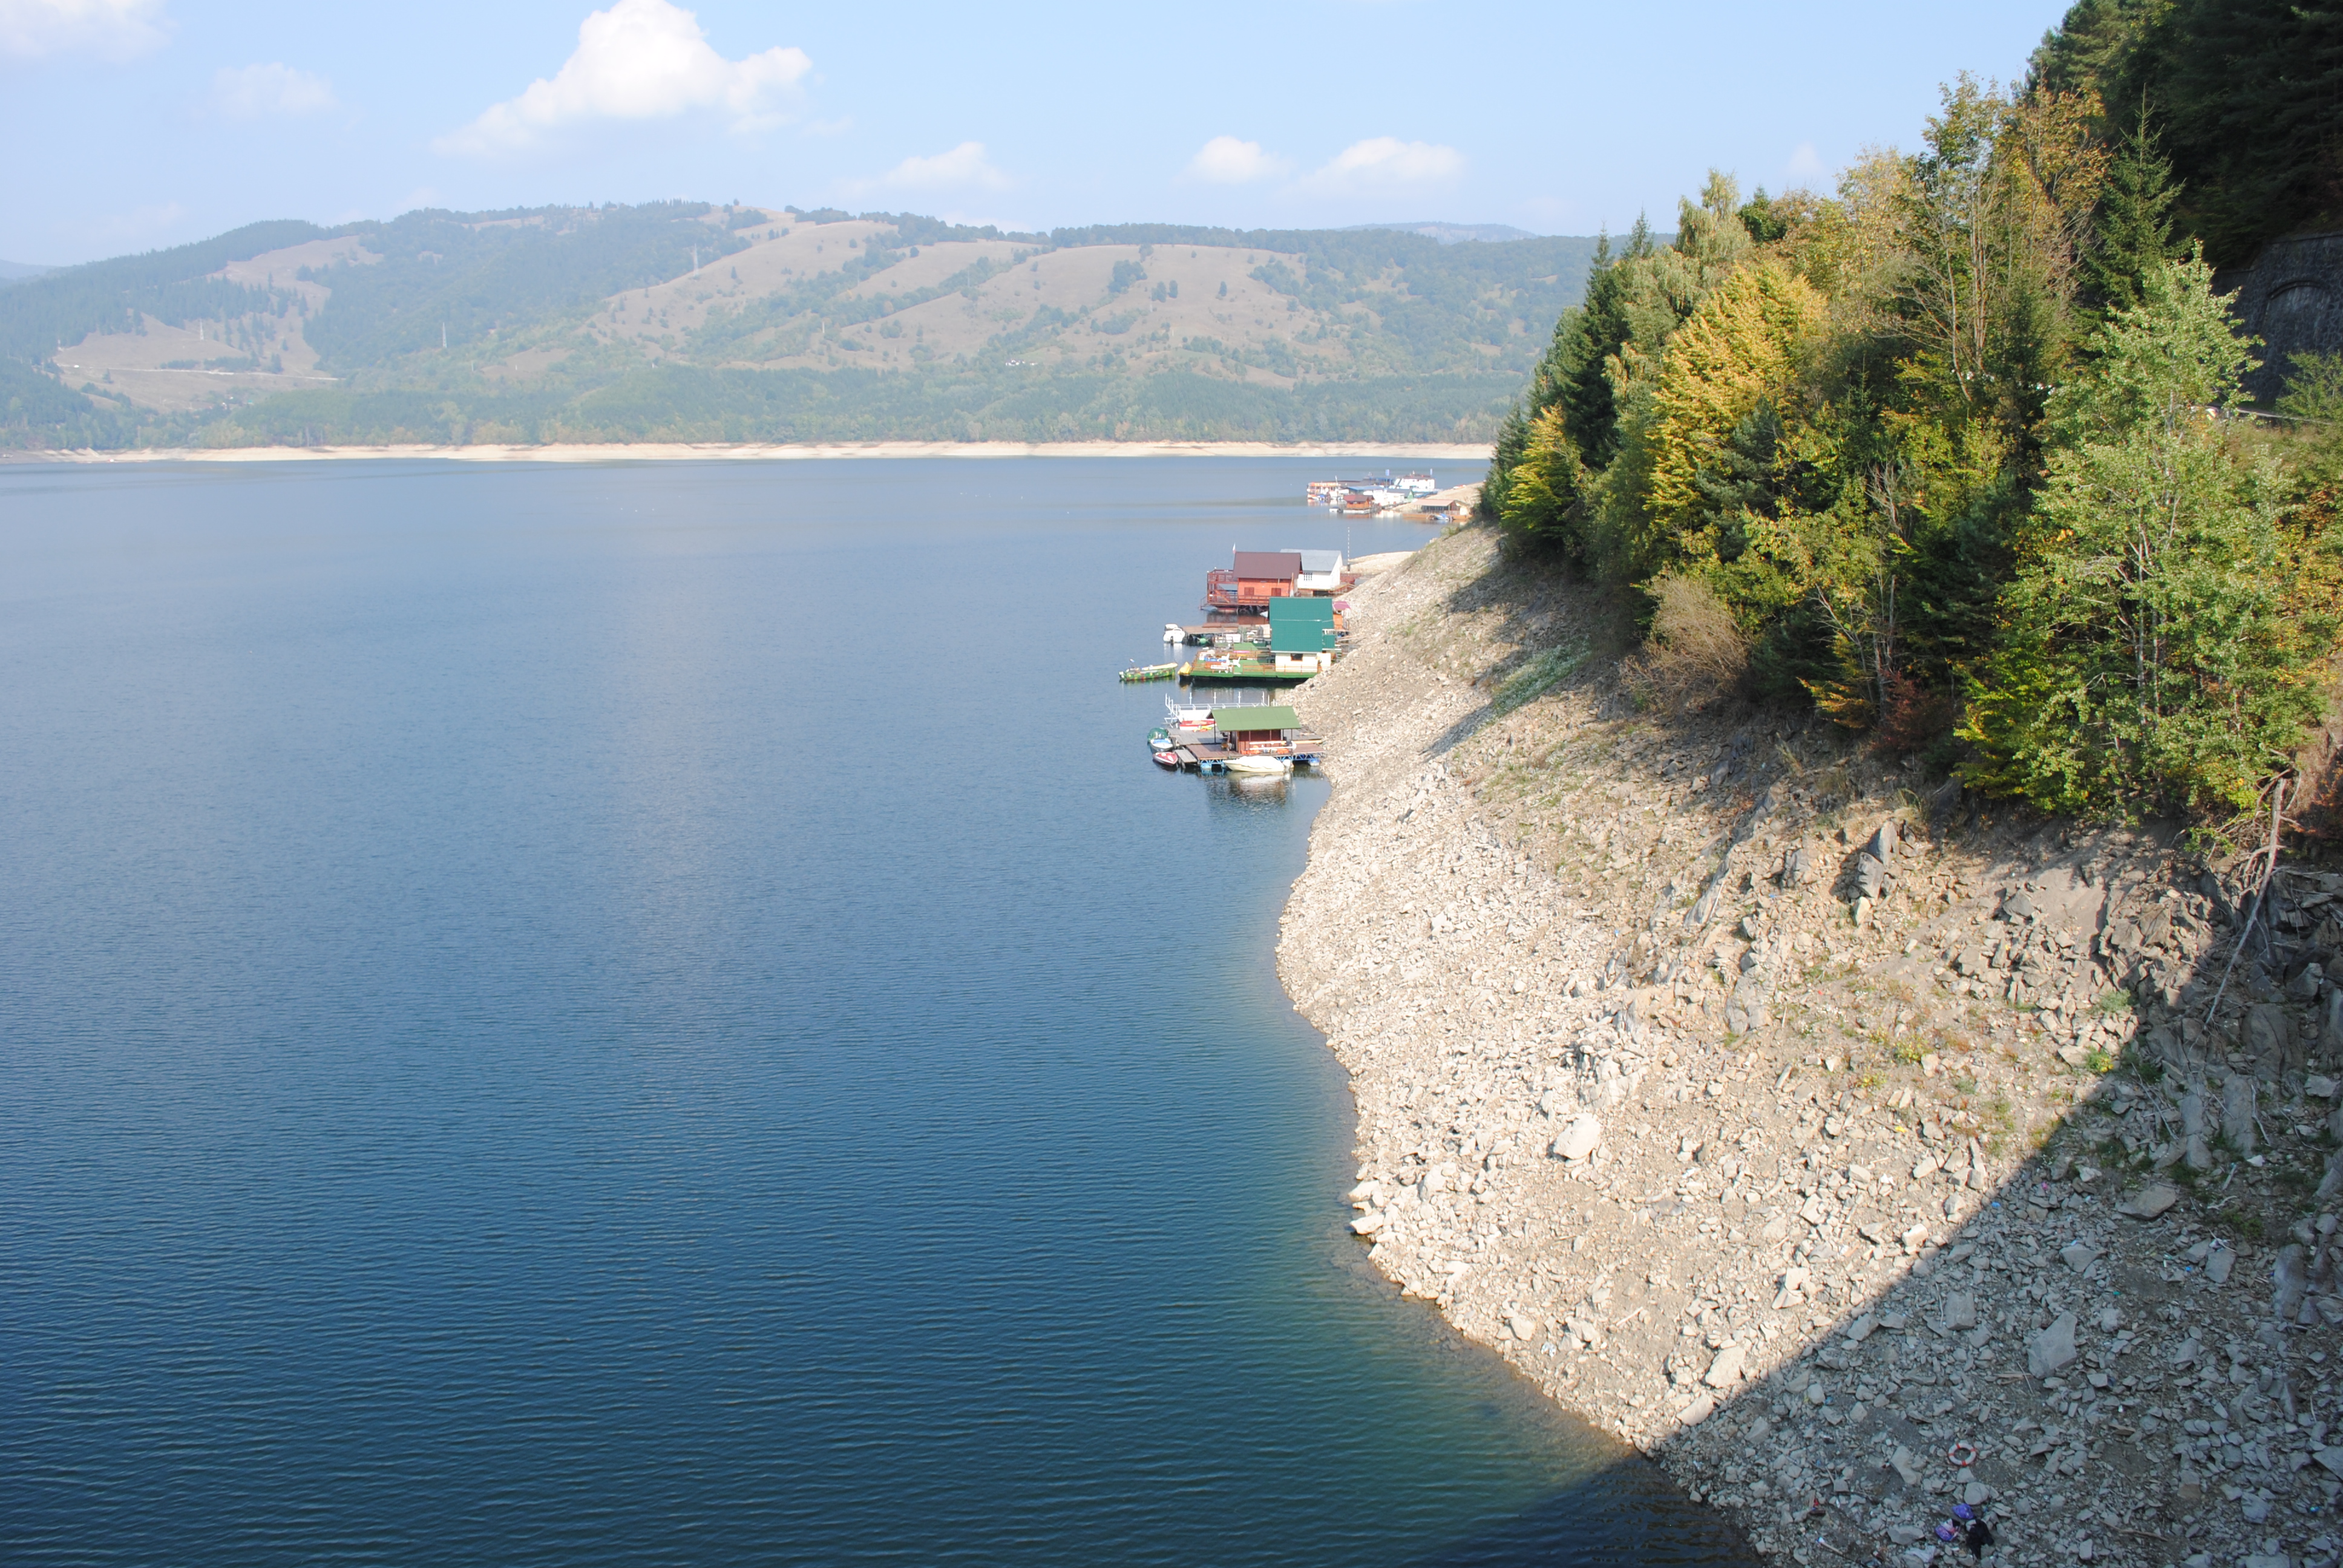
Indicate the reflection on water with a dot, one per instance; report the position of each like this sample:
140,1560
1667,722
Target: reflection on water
560,1015
1240,789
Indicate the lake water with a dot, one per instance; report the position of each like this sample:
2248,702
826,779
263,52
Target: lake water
660,1013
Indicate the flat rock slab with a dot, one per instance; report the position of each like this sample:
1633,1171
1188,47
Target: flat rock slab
2053,1348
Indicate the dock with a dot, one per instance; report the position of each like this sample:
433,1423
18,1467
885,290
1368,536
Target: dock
1212,757
1239,672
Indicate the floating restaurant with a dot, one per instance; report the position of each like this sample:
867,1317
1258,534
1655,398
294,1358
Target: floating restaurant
1257,578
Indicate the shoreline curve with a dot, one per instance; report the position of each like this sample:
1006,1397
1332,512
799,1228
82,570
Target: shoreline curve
1820,1134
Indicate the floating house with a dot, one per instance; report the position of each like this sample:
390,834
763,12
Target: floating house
1296,650
1256,578
1321,572
1302,635
1264,729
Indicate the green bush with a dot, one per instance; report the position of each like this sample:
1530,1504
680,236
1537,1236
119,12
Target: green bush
2163,638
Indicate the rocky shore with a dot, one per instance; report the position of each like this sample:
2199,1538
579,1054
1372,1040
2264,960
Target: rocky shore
1857,1154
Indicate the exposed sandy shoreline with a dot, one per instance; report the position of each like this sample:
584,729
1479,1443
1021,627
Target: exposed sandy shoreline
677,451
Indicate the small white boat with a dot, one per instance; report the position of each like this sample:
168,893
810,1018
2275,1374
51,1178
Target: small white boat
1259,765
1172,631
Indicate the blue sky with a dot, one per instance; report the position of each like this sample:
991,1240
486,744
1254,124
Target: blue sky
134,124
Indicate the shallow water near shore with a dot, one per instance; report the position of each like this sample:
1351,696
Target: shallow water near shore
660,1014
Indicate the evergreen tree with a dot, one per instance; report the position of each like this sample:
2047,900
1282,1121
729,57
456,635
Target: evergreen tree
2134,228
1603,326
1761,217
2094,45
2313,405
2250,92
1504,454
1546,488
2164,635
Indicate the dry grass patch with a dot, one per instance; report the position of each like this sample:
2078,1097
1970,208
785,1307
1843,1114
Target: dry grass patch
1696,654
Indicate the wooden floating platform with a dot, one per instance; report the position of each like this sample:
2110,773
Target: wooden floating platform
1239,672
1211,756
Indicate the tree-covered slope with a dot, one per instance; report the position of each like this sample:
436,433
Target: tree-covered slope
687,321
1960,452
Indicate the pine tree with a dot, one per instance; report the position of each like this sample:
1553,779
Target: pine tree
2134,219
2164,639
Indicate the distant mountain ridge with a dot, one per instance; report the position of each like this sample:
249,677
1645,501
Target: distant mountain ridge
1452,232
10,271
688,321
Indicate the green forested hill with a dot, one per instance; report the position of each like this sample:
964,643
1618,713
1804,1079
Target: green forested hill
1960,452
689,322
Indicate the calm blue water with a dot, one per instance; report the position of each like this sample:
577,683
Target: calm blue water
660,1014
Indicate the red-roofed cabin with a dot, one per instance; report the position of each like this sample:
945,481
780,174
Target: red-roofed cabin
1257,577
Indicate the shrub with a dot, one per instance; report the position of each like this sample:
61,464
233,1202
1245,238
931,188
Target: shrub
1696,652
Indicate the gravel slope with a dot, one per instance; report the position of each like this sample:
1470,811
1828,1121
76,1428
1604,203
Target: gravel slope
1842,1238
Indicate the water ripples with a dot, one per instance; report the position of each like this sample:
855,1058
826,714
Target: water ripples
659,1015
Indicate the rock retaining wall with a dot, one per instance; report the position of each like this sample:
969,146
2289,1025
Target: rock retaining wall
2292,299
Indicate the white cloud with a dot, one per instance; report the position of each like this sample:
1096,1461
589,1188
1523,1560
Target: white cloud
965,167
1805,164
1382,161
248,92
640,60
1226,161
31,29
